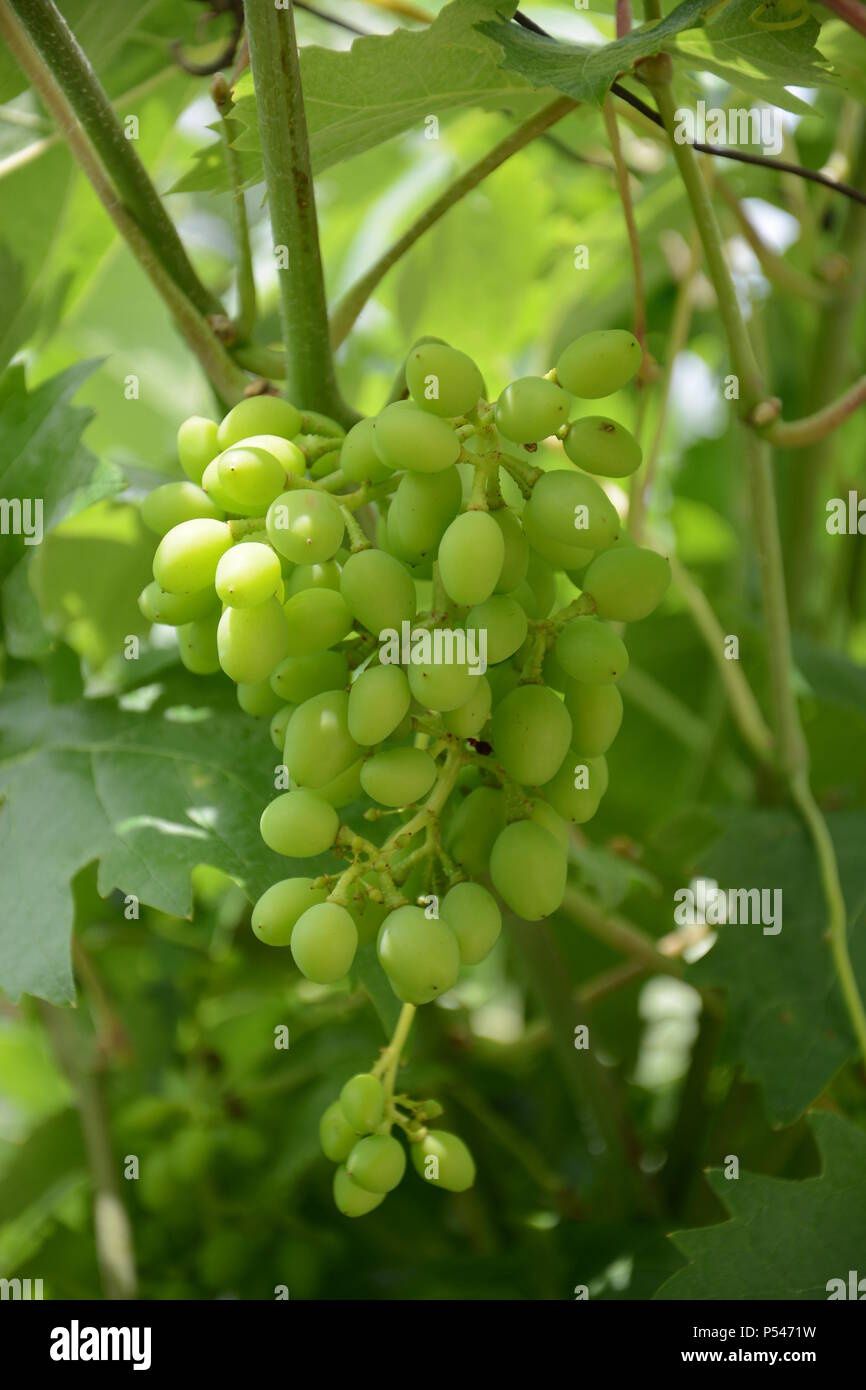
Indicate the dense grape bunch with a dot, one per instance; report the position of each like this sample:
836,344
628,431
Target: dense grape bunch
425,618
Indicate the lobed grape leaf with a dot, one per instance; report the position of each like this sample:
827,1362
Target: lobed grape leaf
737,45
149,794
787,1021
784,1239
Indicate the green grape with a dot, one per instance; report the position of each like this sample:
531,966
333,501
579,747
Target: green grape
419,955
471,556
591,652
578,787
318,744
443,380
197,643
363,1102
405,437
280,907
159,606
336,1135
345,788
352,1200
279,724
474,827
358,459
398,776
212,485
306,526
420,512
505,623
559,555
325,464
324,576
248,575
469,719
627,584
472,914
503,679
441,687
552,671
324,942
196,446
573,509
542,581
317,619
377,1163
544,815
516,560
528,869
378,590
299,678
531,731
167,506
603,446
251,477
444,1160
258,699
259,415
186,558
252,641
596,714
287,454
597,364
531,409
378,701
299,824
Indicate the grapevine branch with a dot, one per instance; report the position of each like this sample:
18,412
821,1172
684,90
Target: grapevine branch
246,318
622,180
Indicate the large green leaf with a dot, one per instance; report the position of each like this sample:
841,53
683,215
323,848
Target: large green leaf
784,1239
738,45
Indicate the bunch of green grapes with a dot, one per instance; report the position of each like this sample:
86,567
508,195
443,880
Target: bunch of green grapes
428,621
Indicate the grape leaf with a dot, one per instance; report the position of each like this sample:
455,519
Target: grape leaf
737,45
787,1021
147,793
784,1239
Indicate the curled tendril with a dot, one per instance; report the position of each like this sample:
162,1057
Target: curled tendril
227,55
792,13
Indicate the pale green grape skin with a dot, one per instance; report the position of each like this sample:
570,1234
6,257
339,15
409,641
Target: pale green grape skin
352,1200
531,409
211,484
472,914
421,509
454,1166
251,477
259,415
596,716
336,1135
378,701
358,459
377,1163
516,561
553,672
187,557
299,824
419,955
363,1102
528,869
324,942
571,508
252,641
306,526
279,724
287,454
258,699
299,678
197,643
504,622
322,576
577,804
503,679
591,652
318,744
471,556
443,380
345,788
558,554
550,820
248,575
398,776
469,719
196,446
378,590
531,732
316,620
597,364
542,581
167,506
172,610
280,906
603,446
440,687
627,583
406,437
474,827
